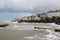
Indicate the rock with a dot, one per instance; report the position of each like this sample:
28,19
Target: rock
4,25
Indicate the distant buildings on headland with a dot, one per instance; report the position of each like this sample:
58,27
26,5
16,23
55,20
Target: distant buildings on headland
39,17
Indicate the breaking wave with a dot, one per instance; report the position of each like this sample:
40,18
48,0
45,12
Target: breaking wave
46,35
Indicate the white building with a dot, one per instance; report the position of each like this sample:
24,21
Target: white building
56,14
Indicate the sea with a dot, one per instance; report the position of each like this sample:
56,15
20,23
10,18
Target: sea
26,31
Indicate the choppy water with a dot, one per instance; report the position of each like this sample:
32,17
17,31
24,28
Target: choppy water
26,31
46,35
30,26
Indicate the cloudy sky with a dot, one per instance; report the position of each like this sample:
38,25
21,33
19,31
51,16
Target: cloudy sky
19,5
27,6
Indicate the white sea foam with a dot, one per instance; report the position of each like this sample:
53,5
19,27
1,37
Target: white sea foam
14,22
30,26
53,24
49,36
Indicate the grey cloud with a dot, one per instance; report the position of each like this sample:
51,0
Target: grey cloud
28,5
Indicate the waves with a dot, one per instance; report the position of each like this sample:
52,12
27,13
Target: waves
30,26
44,34
41,36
